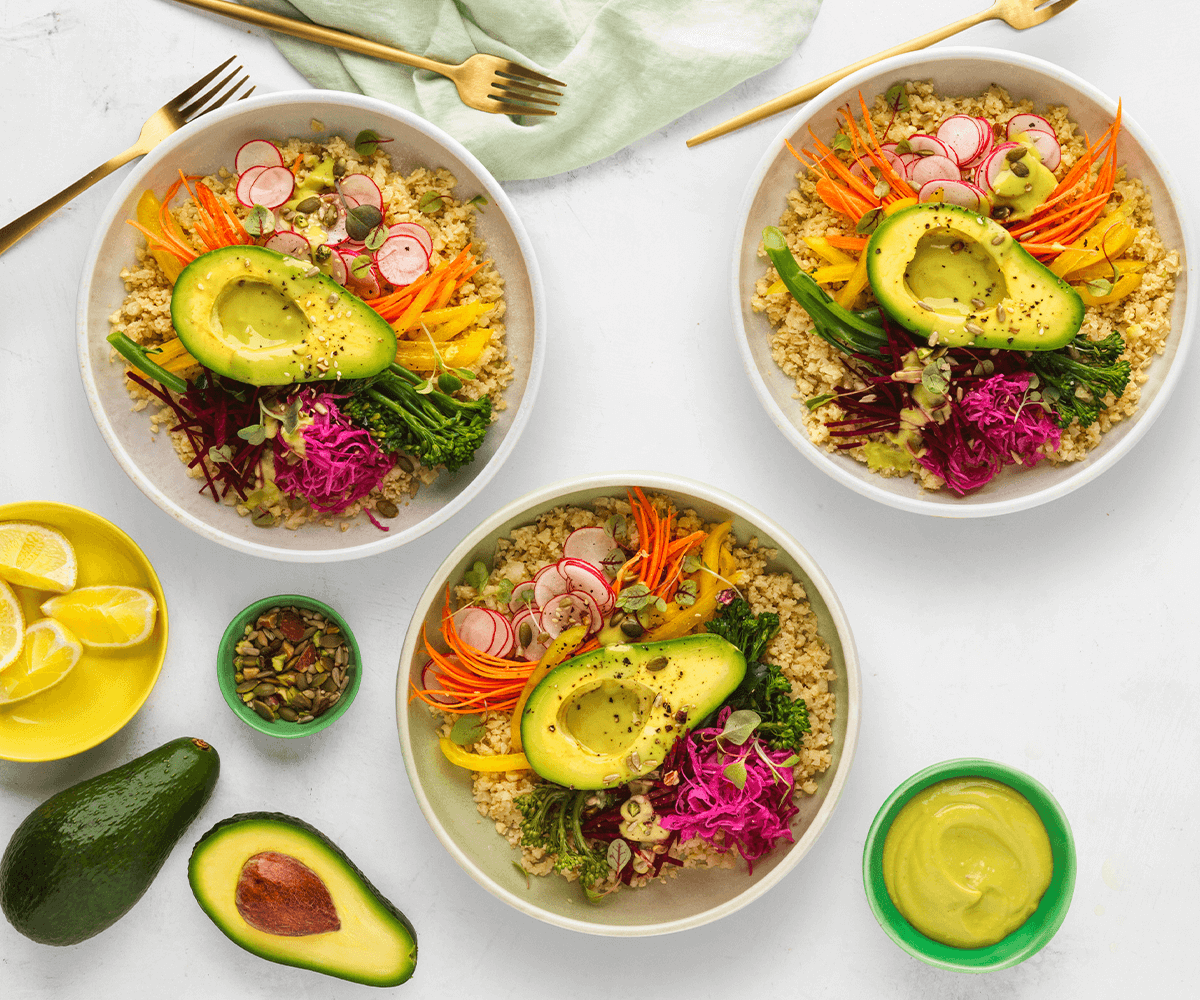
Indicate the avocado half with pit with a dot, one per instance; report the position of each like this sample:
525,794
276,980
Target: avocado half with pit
282,890
263,318
946,271
604,718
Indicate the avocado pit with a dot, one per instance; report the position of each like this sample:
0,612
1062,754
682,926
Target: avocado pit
279,894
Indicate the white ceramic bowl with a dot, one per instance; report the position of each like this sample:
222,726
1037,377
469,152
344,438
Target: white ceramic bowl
695,897
958,71
204,146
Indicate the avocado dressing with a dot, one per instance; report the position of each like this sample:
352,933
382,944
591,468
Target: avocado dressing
255,315
966,861
949,270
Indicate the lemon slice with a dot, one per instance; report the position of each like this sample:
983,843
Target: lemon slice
33,555
48,654
108,616
12,625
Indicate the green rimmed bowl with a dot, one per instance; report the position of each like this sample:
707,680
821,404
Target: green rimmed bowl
225,670
1026,940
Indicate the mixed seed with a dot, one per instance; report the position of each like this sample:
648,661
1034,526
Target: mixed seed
292,664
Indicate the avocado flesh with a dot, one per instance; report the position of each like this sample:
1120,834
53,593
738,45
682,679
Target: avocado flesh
373,944
83,857
263,318
598,721
944,270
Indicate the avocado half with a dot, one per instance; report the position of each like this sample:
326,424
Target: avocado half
282,890
263,318
947,271
604,718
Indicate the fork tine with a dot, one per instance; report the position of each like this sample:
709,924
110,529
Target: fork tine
521,87
1045,13
194,89
193,109
515,109
512,69
232,90
519,96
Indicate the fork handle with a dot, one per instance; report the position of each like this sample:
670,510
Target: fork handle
811,90
316,33
19,227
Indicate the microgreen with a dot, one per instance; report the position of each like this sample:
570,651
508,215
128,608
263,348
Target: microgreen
449,383
616,526
478,201
222,454
637,597
467,729
619,855
613,561
904,146
841,141
896,97
477,576
360,267
881,188
260,221
935,377
361,219
739,726
504,589
736,774
254,434
522,870
376,238
367,141
814,401
430,201
869,221
686,595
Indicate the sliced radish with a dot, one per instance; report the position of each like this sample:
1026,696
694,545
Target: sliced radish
921,143
1024,122
362,189
243,185
291,243
961,135
989,169
401,260
592,545
503,641
954,192
431,681
589,579
534,648
518,600
1046,144
905,163
335,267
336,233
931,168
273,187
989,144
475,627
865,170
548,582
257,153
567,610
416,231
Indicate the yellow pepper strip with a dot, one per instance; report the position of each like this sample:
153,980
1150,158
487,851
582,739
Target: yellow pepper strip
900,203
775,288
833,272
849,292
462,352
174,357
483,762
443,324
820,246
555,653
705,605
1124,285
1089,244
1104,269
148,217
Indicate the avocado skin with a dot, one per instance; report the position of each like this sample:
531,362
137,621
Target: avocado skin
196,873
83,857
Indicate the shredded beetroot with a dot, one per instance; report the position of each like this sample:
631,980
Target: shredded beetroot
341,463
1007,421
754,817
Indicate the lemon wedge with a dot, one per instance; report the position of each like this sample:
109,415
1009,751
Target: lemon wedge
32,555
12,625
48,654
108,616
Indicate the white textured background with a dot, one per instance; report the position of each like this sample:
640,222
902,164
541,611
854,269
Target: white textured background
1060,640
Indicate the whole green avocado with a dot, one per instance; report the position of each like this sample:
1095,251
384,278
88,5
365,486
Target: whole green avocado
83,857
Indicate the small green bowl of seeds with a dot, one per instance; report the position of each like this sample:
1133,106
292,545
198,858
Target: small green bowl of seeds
288,666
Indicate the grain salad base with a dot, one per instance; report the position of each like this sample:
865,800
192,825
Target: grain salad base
816,367
145,313
797,648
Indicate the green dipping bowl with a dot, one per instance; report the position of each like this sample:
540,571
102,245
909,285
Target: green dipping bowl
225,669
1027,939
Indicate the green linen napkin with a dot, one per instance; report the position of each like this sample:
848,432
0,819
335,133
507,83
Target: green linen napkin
631,66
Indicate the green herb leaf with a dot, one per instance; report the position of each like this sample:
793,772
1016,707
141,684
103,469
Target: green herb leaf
634,598
260,221
361,219
736,773
815,401
222,454
881,188
619,855
504,589
360,267
463,373
692,563
616,526
840,141
478,201
430,201
467,729
791,761
376,238
254,434
1100,286
686,595
366,142
477,576
521,868
449,383
869,221
896,97
740,725
904,146
935,377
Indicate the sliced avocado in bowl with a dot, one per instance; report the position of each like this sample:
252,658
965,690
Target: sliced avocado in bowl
601,719
263,318
960,279
282,890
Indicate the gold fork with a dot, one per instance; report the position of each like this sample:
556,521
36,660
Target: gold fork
172,116
1019,14
484,82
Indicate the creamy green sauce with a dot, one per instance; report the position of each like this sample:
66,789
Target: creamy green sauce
255,315
949,270
966,861
1023,184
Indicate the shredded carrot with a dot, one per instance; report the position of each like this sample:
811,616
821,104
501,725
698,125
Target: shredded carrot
661,557
297,162
855,243
394,305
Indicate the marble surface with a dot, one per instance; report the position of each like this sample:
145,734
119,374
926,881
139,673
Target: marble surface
1058,639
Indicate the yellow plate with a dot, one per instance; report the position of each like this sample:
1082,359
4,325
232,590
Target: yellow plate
106,687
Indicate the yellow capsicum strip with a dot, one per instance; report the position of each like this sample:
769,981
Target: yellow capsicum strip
705,605
149,218
848,293
483,762
442,324
555,653
461,352
1124,285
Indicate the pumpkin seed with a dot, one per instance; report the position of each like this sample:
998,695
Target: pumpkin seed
385,508
263,709
288,714
246,686
309,205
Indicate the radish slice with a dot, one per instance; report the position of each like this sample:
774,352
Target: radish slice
486,630
362,189
365,284
1046,144
518,602
988,145
257,153
335,267
243,185
961,135
291,243
865,170
336,234
592,545
954,192
430,681
585,577
401,260
1023,123
504,635
416,231
566,610
534,648
905,163
931,168
989,169
548,582
921,143
273,187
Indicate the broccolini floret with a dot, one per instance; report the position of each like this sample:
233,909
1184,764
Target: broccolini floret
1076,378
551,818
436,428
